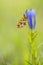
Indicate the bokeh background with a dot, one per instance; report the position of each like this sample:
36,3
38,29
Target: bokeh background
14,45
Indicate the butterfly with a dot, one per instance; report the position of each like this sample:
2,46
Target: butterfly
22,22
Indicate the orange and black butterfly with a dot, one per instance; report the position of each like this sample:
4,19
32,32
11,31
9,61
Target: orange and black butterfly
22,22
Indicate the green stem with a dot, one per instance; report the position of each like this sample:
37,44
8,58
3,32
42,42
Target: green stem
33,51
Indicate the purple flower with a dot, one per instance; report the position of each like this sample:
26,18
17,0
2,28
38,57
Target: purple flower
31,16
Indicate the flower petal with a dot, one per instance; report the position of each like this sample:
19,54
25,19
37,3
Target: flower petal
31,13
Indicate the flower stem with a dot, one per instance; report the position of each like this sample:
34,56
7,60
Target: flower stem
33,50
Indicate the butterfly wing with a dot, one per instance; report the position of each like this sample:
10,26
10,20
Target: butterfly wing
22,21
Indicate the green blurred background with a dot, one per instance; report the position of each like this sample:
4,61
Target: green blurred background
13,41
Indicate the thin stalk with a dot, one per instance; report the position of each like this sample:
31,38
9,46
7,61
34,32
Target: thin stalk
33,51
